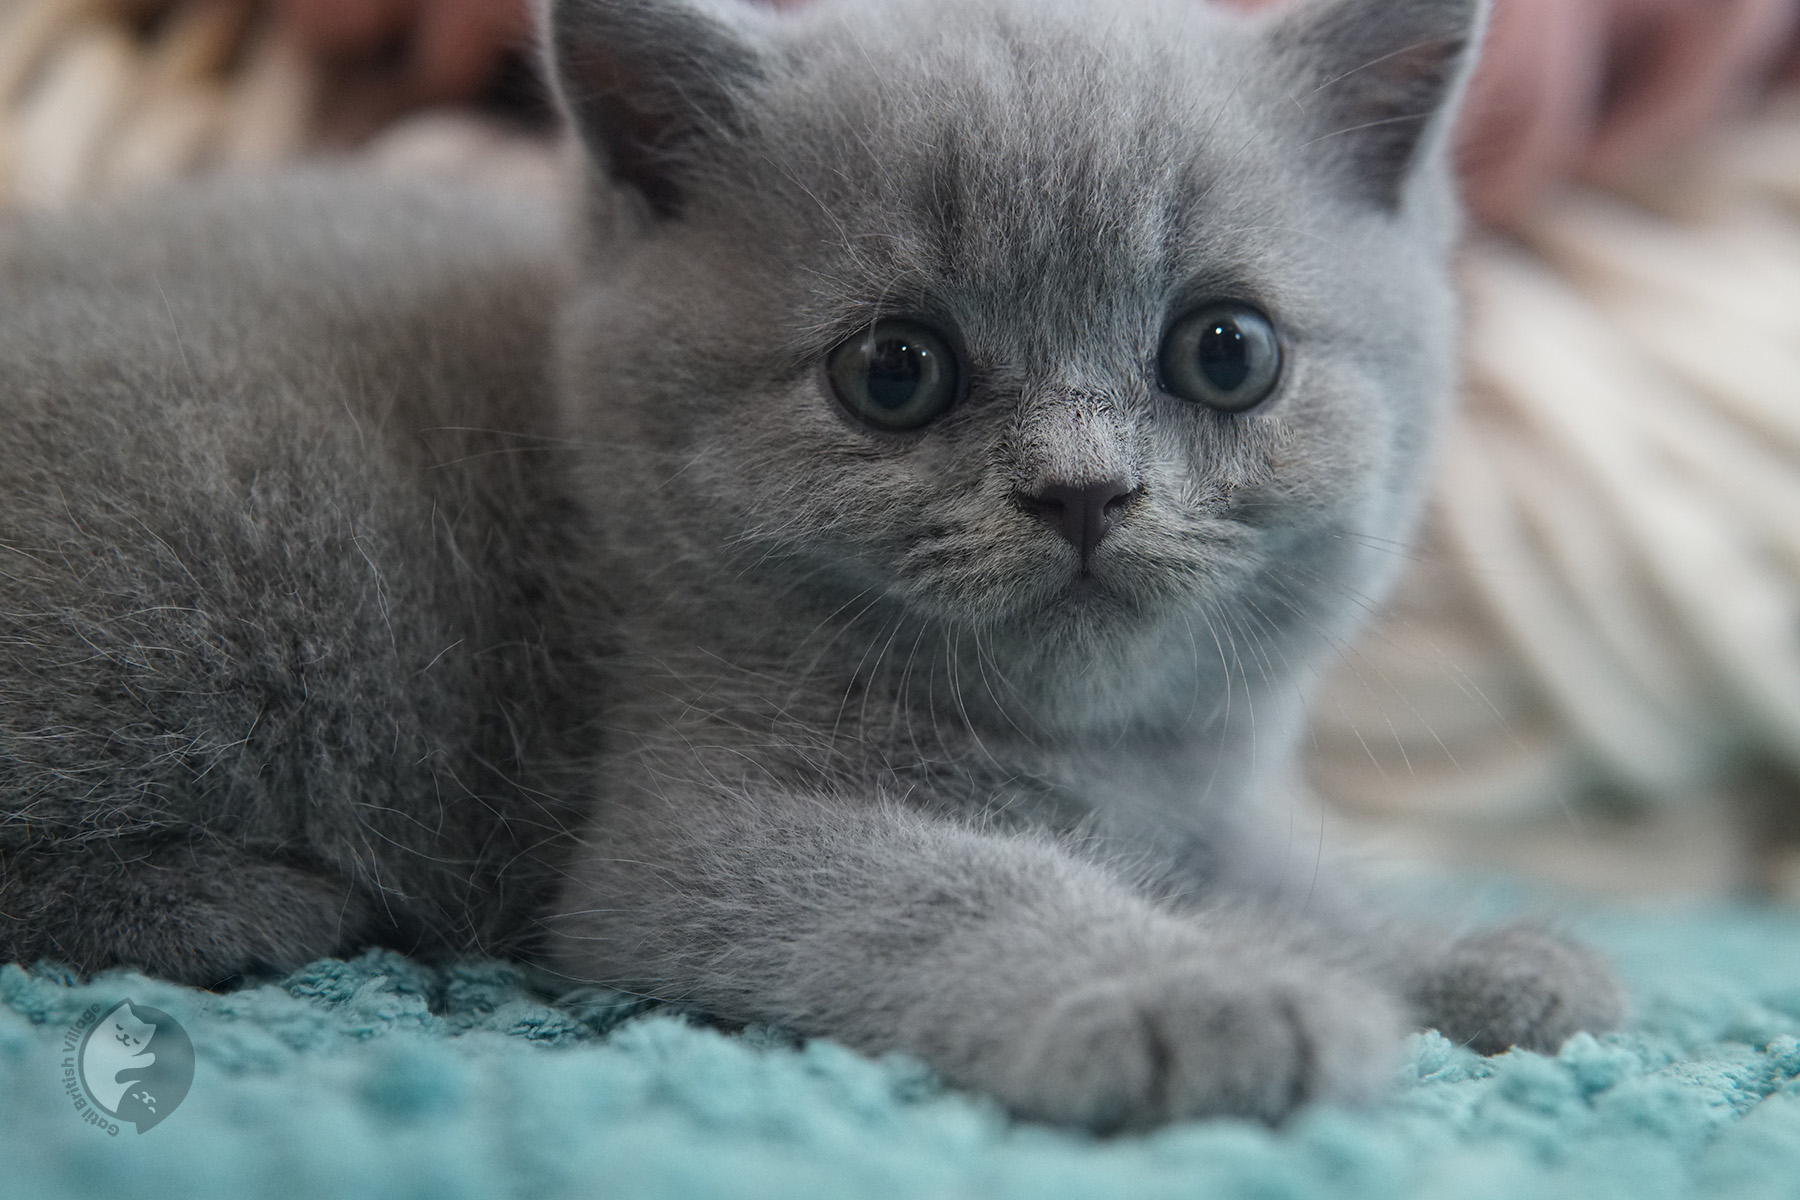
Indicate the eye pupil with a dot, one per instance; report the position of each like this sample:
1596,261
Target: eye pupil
896,369
1224,357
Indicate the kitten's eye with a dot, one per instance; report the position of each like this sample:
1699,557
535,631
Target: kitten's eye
1225,356
896,376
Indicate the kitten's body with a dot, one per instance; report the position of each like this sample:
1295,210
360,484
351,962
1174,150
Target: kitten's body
275,533
871,750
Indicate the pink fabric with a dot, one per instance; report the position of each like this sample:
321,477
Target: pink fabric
1595,87
1606,87
452,48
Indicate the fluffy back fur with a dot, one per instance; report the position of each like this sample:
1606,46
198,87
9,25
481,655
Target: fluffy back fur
274,537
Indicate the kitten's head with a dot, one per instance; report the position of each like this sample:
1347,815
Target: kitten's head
1057,319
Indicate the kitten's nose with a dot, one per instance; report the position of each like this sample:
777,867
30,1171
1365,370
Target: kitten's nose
1084,513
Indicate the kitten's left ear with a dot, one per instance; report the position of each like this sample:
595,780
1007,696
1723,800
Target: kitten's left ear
649,84
1379,81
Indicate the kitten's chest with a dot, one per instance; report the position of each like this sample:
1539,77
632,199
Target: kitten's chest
1153,758
1139,789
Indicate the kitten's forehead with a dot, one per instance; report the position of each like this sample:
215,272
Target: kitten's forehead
1040,156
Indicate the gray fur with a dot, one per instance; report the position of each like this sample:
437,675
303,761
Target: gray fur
862,751
274,542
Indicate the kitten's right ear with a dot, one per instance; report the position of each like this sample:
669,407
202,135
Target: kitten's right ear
649,83
1379,81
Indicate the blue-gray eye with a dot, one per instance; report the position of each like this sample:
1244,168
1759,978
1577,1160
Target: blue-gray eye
1225,356
896,375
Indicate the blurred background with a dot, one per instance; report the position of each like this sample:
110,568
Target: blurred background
1591,671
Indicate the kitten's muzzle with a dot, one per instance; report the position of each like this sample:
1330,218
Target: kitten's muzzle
1084,513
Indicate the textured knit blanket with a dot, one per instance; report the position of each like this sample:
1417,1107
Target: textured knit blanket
382,1077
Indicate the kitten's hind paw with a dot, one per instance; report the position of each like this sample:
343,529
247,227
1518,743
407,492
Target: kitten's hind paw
1517,986
1133,1052
203,915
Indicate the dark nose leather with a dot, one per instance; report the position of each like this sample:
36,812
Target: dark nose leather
1084,513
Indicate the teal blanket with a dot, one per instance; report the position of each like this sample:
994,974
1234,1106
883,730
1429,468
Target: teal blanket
385,1078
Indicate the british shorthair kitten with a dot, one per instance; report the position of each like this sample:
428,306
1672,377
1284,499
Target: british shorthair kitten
863,574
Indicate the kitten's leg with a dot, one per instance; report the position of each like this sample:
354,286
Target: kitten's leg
201,915
1007,963
1516,985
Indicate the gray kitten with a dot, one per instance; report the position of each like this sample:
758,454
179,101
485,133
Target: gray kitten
908,525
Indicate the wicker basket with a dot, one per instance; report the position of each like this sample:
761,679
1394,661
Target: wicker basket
1606,617
99,96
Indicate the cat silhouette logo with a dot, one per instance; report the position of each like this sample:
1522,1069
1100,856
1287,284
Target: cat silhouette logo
136,1064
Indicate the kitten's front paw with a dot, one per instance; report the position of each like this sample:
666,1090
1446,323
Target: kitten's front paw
1518,986
1128,1053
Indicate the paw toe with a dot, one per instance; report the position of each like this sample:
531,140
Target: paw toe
1129,1054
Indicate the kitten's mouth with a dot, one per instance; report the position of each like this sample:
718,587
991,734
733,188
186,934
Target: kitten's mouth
1085,583
1088,588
